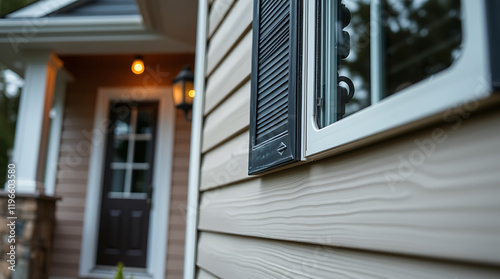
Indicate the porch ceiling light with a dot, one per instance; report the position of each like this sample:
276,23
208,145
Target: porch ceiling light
183,91
138,66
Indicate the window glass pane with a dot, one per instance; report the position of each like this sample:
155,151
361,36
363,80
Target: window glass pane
142,151
422,38
122,123
343,83
117,181
417,39
357,65
10,90
139,181
145,121
120,150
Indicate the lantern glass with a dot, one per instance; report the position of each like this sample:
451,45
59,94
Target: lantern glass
178,93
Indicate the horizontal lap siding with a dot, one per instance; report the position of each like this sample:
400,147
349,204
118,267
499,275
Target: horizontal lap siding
444,206
218,10
72,183
292,223
203,274
233,72
229,256
236,24
178,199
226,164
219,127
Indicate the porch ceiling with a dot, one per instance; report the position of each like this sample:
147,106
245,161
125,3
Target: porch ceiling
164,26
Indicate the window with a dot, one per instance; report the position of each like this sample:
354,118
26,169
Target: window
413,40
408,60
366,68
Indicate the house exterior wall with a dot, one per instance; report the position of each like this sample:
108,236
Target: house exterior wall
91,72
423,204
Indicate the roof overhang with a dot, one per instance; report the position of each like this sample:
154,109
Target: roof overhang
163,27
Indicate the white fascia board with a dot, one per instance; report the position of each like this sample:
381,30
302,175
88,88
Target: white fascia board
40,8
38,26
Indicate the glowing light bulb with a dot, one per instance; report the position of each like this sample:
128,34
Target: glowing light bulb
138,66
191,93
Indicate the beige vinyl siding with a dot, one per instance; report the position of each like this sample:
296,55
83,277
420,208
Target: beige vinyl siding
228,163
203,274
439,219
233,72
178,199
218,10
347,200
71,183
218,127
231,256
237,22
107,71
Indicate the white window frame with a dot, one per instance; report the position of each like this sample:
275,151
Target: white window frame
466,80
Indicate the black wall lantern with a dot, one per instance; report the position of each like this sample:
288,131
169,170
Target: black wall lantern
183,91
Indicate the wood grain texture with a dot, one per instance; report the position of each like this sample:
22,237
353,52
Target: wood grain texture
231,117
234,26
218,11
241,257
444,202
203,274
234,70
226,164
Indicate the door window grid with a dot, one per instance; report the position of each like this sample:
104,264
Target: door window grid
129,165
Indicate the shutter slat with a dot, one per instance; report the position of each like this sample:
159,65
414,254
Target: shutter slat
272,10
280,92
269,32
278,19
277,108
273,57
279,47
267,109
276,130
281,80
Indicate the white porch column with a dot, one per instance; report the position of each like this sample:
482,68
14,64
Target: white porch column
32,121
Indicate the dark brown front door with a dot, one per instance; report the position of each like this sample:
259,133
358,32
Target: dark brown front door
127,184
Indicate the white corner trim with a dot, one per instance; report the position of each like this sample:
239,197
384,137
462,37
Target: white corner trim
57,110
196,137
159,214
40,8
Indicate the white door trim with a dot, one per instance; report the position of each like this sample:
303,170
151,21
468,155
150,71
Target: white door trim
158,226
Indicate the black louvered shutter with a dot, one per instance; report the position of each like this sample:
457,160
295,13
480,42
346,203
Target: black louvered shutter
276,75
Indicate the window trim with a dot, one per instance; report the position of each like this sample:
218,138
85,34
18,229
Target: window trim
466,80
